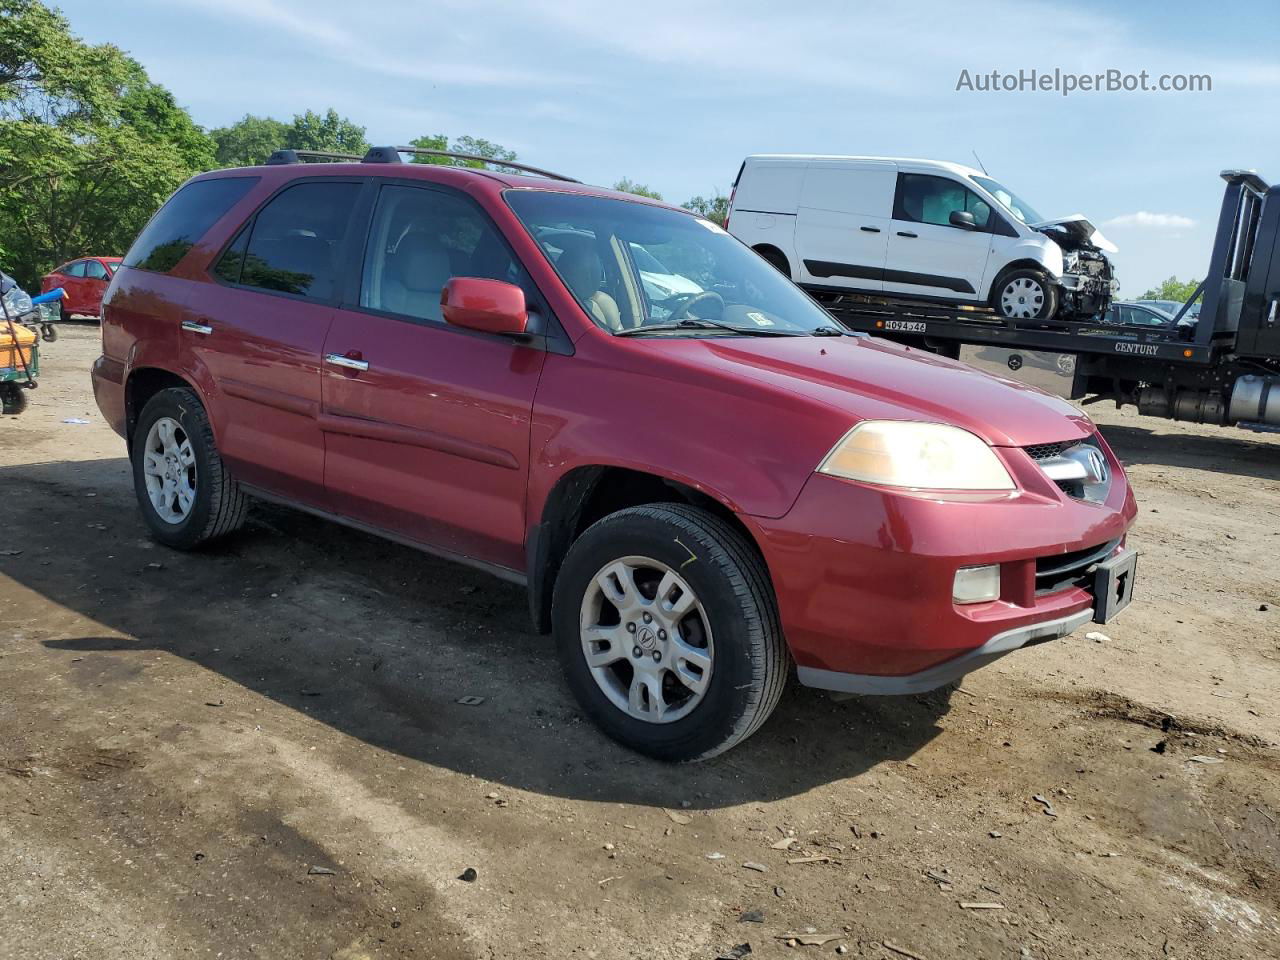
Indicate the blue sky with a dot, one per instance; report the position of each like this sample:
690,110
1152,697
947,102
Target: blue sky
673,93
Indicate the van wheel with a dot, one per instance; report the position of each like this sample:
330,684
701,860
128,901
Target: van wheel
1025,294
776,259
668,631
185,493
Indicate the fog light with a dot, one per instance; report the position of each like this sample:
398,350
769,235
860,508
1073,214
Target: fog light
976,584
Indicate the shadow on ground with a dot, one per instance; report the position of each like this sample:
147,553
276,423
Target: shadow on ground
1234,451
380,642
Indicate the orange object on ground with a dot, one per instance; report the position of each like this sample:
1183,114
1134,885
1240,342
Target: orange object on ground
14,354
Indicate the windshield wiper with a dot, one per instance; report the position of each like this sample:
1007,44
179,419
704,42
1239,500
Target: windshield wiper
701,323
830,332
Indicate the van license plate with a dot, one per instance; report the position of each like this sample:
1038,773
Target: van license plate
1113,585
906,326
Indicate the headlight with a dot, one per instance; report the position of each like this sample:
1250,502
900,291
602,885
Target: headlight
903,453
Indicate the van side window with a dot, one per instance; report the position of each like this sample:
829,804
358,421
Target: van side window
294,242
419,239
183,220
924,199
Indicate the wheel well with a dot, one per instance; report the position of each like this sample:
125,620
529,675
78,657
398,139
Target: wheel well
588,494
142,385
775,257
1008,268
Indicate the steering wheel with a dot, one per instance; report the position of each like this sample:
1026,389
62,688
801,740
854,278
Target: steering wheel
683,309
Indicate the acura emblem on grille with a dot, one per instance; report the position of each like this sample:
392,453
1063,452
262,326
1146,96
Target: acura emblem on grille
1081,470
1091,461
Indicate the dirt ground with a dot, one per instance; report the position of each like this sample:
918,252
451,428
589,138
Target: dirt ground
260,751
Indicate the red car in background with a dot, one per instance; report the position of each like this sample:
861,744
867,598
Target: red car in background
85,281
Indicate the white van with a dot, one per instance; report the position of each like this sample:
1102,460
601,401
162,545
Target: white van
923,228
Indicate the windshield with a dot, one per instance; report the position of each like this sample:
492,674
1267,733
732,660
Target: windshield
633,266
1014,203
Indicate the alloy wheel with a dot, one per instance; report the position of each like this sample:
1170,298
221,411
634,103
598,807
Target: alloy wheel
646,639
169,465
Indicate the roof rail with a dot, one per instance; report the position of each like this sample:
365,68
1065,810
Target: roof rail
392,155
303,156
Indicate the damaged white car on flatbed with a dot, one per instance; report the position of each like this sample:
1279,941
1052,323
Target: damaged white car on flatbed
919,228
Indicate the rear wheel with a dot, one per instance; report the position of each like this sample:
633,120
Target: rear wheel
1025,294
185,493
668,631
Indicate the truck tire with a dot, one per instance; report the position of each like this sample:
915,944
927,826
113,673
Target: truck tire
1025,294
668,631
186,495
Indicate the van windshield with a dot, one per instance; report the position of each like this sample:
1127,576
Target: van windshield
1012,202
640,269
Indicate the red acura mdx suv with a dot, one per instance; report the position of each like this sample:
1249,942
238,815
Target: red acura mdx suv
698,475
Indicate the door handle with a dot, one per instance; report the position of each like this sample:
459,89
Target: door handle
192,326
869,229
338,360
904,233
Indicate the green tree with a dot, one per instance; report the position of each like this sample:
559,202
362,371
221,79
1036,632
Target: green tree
248,141
89,146
475,146
715,207
1172,289
627,185
326,131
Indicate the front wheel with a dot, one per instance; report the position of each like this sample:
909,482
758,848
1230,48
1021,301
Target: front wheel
668,631
186,495
1025,294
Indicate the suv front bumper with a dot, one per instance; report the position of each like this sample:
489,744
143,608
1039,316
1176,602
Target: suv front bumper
951,670
864,575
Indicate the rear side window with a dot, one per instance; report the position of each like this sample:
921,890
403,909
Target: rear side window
75,269
293,243
925,199
181,222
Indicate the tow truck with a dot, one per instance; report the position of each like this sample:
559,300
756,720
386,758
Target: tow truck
1221,368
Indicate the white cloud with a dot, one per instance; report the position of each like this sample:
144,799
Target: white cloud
1143,220
401,55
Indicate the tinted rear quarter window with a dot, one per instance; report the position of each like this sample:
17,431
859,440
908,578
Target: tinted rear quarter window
181,222
294,241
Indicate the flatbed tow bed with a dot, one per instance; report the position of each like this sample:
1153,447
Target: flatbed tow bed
1222,369
941,325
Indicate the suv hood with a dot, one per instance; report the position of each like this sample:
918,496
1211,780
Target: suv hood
860,378
1074,232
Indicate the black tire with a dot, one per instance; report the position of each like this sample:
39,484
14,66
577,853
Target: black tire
776,259
751,663
1048,304
13,399
219,506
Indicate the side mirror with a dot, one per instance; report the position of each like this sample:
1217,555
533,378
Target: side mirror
491,306
963,219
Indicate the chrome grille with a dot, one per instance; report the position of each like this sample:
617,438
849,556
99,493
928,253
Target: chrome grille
1074,483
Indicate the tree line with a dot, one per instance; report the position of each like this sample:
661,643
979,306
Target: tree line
90,146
